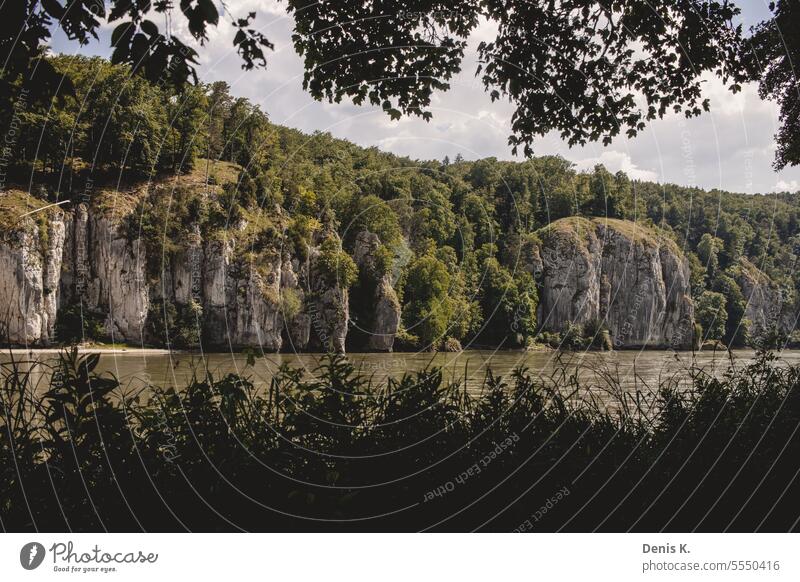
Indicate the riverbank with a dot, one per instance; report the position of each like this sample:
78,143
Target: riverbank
341,452
634,370
90,349
482,352
537,348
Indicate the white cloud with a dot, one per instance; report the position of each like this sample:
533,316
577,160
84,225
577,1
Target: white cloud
615,161
725,103
784,186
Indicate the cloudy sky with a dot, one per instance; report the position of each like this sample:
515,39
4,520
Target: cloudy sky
731,148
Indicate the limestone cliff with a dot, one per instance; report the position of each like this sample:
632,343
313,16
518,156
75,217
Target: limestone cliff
769,307
87,258
104,271
327,305
241,300
616,272
271,302
244,286
30,267
380,318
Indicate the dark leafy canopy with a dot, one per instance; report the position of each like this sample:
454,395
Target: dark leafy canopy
775,62
574,66
137,41
393,55
22,28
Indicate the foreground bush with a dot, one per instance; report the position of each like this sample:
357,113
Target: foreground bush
336,452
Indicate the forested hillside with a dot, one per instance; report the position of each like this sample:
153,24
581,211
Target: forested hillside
455,237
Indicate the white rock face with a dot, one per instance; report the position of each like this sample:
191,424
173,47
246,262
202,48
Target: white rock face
618,272
328,309
75,271
29,274
257,307
186,279
769,308
297,325
118,285
241,300
104,272
51,273
384,306
587,270
387,317
245,304
86,259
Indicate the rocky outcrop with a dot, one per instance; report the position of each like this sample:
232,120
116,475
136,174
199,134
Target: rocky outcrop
618,273
272,303
297,320
241,300
242,306
769,308
105,272
83,259
587,270
382,304
30,267
386,317
117,286
327,305
186,282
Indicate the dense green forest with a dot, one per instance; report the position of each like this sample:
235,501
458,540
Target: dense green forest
454,233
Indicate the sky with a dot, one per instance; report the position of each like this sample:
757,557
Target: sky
731,148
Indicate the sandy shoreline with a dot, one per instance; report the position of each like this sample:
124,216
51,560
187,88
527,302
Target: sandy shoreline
111,350
92,350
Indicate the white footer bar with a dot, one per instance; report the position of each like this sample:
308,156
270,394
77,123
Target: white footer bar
399,557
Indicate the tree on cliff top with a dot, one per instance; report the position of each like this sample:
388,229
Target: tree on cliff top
572,66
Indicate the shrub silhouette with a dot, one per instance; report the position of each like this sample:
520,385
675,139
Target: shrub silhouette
335,451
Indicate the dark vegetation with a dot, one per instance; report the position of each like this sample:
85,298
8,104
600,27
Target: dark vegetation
338,453
454,233
397,55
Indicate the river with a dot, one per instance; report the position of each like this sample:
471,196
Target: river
634,370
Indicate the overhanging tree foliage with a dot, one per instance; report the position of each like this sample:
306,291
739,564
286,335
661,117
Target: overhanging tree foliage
573,66
774,63
136,40
588,69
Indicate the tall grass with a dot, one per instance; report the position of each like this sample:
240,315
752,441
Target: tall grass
340,452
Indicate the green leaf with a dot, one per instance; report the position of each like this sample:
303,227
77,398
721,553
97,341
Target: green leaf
209,11
53,8
150,28
123,30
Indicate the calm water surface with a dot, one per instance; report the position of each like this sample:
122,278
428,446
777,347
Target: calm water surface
640,371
